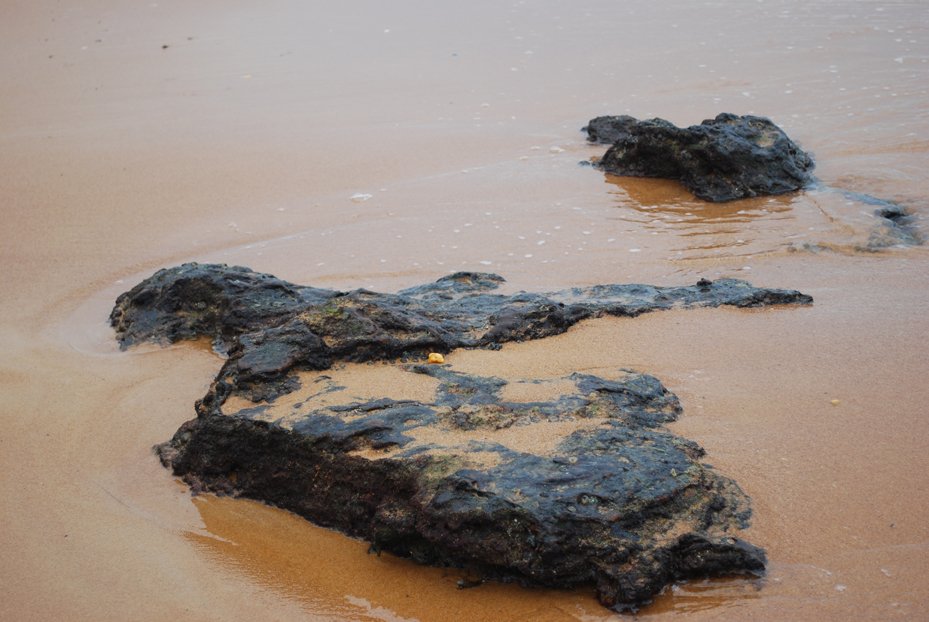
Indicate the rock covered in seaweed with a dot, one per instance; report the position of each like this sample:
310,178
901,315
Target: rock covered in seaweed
722,159
615,500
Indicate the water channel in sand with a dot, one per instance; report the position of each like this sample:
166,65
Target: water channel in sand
134,137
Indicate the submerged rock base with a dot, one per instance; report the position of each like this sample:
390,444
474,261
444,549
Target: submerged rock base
896,226
605,496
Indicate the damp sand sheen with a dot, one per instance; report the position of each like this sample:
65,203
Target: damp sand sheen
139,137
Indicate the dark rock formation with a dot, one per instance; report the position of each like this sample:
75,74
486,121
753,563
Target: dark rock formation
722,159
618,502
614,500
268,326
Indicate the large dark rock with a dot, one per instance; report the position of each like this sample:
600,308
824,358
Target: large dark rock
612,499
722,159
618,502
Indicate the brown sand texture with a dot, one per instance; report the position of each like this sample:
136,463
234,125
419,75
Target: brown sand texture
385,144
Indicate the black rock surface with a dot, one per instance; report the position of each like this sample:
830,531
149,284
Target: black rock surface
614,500
722,159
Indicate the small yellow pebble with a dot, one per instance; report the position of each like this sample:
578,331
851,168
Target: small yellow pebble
835,402
436,358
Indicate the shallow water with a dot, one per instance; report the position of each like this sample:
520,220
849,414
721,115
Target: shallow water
134,137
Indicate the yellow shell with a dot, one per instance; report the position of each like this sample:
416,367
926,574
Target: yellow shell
436,358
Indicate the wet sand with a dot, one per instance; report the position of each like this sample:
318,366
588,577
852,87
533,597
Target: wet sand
138,137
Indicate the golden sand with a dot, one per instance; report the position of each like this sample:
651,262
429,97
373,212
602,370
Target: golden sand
135,136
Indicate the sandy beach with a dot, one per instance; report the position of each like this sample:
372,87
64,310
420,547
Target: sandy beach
383,145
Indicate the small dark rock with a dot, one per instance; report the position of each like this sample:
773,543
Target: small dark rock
722,159
896,226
